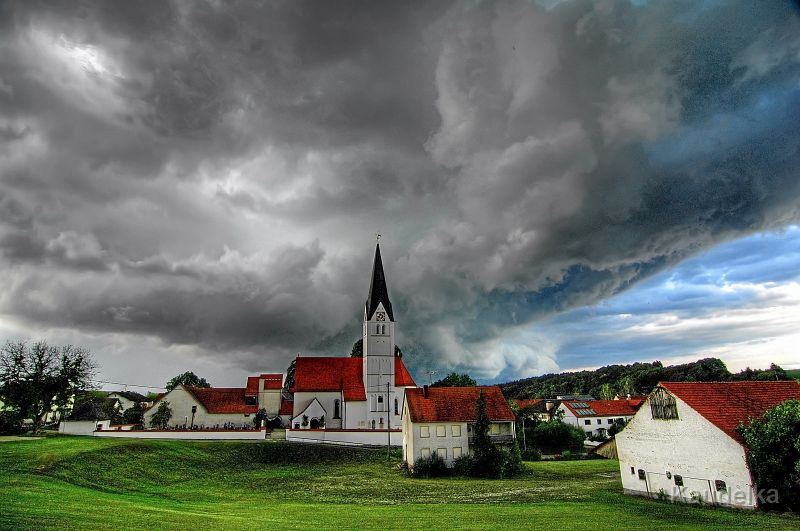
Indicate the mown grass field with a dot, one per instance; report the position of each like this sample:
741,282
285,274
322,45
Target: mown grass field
86,483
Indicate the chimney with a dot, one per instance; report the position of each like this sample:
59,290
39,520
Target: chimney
425,391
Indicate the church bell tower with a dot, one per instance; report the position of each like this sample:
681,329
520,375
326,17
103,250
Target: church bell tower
378,347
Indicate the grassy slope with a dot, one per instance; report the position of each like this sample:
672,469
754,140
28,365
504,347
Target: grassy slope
78,483
794,373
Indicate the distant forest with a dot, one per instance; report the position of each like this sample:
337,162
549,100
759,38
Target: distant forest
634,379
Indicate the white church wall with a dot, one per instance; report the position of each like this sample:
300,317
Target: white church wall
326,399
355,415
346,437
205,435
691,447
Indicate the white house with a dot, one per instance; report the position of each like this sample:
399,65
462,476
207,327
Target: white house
214,407
440,419
349,393
127,399
682,444
595,417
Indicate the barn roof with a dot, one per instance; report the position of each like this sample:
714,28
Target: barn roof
222,399
727,404
456,404
603,408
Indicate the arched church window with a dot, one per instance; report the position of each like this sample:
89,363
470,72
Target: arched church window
336,408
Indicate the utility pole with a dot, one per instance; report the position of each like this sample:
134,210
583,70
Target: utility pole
388,425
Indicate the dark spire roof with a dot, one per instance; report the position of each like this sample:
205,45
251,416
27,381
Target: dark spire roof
377,288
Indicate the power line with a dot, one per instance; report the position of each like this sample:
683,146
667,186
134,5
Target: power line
128,384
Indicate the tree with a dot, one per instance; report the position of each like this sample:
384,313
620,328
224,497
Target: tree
134,414
455,380
36,378
618,426
606,393
260,416
773,454
188,378
162,416
358,349
556,436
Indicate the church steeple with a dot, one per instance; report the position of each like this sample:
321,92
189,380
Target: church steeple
378,293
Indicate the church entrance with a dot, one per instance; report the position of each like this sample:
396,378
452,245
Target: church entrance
314,424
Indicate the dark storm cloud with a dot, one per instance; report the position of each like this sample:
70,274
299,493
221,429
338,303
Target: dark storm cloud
210,173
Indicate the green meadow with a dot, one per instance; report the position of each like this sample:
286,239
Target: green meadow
91,483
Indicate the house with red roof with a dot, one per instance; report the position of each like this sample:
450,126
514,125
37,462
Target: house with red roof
683,443
439,420
217,407
595,417
351,394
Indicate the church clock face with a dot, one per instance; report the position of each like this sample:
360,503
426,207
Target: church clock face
380,316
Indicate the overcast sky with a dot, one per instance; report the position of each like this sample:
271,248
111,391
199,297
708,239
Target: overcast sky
195,185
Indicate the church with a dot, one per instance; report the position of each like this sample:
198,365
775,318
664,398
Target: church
350,394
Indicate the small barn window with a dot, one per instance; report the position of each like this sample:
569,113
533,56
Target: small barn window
678,480
336,408
642,474
720,486
396,407
633,471
662,405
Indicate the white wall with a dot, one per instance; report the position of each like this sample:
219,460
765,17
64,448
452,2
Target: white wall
593,426
326,399
81,427
226,435
689,446
346,437
446,436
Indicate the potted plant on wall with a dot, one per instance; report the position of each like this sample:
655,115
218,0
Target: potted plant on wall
322,421
304,423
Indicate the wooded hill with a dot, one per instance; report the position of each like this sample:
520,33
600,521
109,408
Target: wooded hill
634,379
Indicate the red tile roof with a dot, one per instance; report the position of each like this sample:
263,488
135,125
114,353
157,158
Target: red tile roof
727,404
402,378
603,408
523,403
222,399
456,404
272,381
287,407
252,386
330,374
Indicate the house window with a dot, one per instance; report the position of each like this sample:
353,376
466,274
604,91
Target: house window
336,408
599,421
396,407
633,472
611,421
442,452
455,429
678,480
441,431
587,422
720,486
641,474
457,451
662,405
250,400
425,452
424,431
494,429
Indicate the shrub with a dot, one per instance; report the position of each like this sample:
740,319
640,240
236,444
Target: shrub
532,454
162,416
555,436
511,461
462,466
430,467
773,454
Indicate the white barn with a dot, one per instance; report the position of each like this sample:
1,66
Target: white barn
439,420
595,417
682,444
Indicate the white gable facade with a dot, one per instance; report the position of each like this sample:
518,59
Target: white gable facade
685,459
